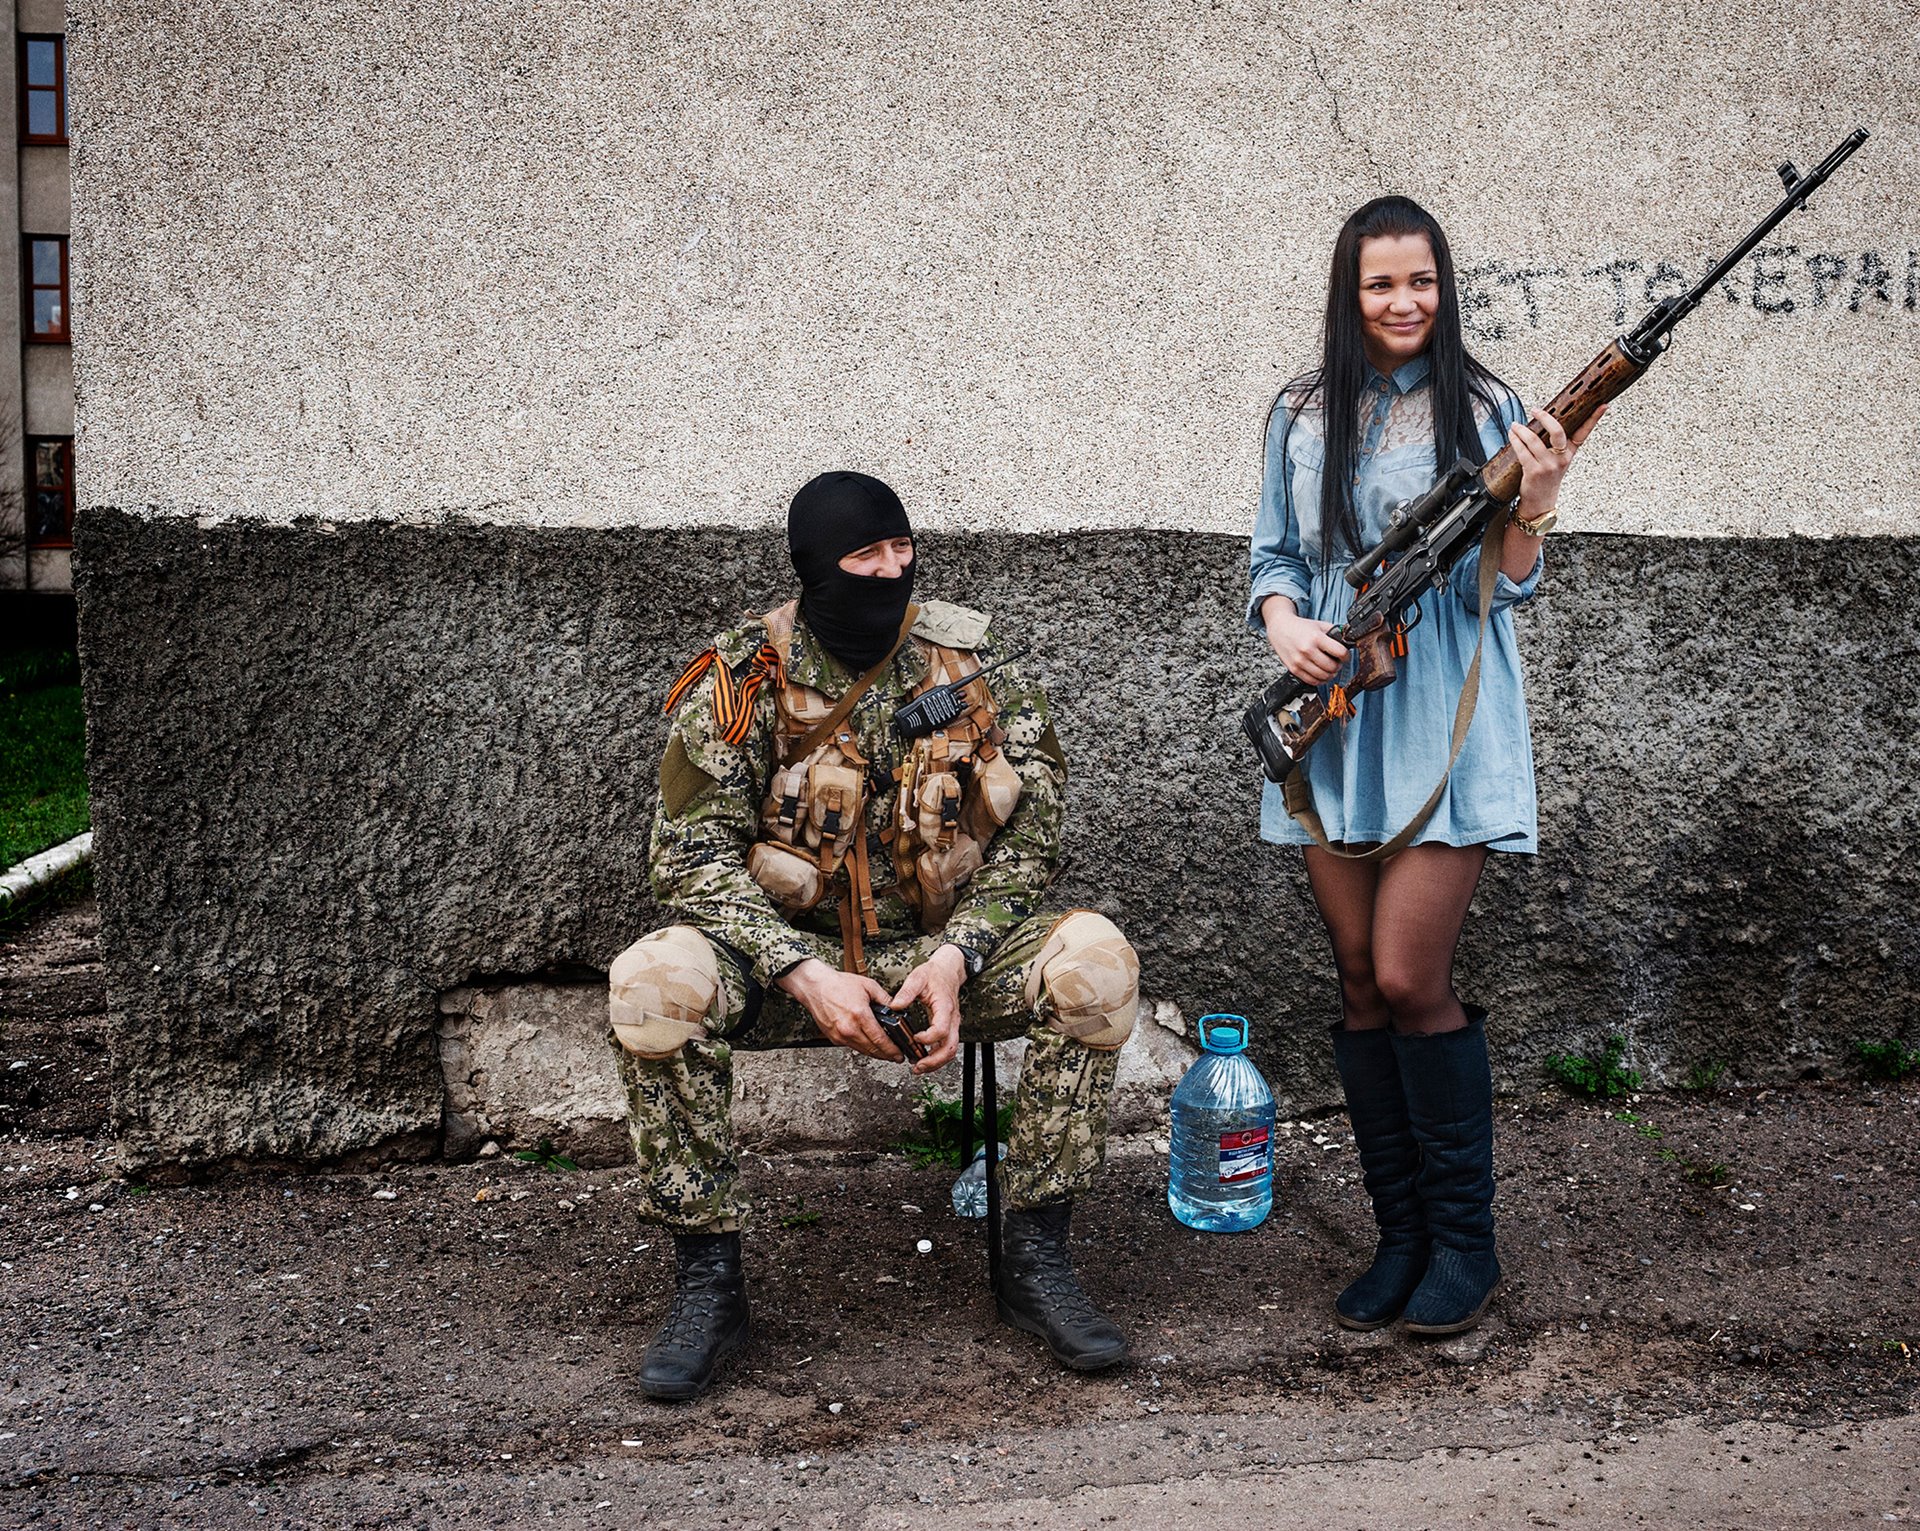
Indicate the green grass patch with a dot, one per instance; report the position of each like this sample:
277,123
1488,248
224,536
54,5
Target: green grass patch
28,669
1705,1076
1886,1060
803,1217
939,1139
1598,1076
43,769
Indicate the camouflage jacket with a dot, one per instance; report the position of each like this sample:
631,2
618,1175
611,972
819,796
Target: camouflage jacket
711,791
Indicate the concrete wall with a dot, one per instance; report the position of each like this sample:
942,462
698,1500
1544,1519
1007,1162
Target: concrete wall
48,371
439,386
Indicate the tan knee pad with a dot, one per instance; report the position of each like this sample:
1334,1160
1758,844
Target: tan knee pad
660,989
1093,978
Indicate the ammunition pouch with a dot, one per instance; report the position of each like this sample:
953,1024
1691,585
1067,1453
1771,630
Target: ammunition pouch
785,818
836,798
937,809
940,875
995,794
793,881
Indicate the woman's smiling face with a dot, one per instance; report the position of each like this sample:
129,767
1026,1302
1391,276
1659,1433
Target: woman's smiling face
1399,295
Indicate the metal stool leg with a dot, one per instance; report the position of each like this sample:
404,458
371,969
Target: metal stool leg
993,1164
966,1105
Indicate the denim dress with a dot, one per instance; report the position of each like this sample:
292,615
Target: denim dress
1371,774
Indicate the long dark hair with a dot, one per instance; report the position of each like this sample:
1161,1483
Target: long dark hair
1455,377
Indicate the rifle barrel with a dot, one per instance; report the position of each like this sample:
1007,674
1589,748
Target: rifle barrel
1663,317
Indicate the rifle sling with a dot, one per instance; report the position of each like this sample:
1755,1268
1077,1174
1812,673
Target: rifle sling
1299,796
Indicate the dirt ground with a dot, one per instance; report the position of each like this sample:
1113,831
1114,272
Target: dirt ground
1710,1317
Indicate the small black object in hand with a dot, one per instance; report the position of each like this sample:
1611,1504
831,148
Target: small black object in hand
898,1025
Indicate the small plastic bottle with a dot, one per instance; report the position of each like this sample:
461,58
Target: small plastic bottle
1220,1169
970,1190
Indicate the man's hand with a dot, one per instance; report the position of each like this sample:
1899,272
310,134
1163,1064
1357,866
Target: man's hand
936,984
841,1005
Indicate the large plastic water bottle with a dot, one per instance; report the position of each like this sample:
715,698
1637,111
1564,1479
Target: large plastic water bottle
1220,1170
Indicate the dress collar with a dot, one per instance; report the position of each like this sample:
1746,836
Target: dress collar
1404,378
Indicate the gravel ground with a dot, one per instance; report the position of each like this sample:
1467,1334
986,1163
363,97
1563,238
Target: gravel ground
1709,1317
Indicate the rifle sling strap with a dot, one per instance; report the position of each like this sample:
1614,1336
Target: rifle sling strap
1299,797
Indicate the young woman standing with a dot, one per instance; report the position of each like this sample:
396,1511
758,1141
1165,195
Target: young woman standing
1395,400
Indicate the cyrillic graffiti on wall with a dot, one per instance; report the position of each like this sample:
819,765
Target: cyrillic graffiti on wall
1499,298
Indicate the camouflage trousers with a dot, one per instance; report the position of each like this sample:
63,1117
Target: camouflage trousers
679,1108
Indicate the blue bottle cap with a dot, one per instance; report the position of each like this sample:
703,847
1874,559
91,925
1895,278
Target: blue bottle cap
1223,1033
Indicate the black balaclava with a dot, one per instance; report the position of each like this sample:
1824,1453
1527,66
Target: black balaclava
856,616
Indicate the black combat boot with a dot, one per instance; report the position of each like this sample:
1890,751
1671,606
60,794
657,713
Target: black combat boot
1449,1090
1389,1161
1039,1292
708,1317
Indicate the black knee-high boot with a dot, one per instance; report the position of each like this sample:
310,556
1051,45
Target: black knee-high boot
1389,1161
708,1317
1449,1091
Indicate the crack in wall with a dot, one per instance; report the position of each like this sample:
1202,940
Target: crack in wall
1339,123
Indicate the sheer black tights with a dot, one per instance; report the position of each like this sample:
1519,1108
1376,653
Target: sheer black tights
1394,929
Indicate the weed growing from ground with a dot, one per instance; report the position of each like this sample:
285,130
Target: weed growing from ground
1704,1076
801,1218
1886,1060
1597,1077
940,1122
546,1156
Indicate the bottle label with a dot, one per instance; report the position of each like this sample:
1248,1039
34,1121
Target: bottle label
1245,1155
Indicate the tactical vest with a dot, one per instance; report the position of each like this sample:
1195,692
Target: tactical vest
952,793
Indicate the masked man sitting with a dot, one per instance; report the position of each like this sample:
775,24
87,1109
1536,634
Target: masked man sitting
820,863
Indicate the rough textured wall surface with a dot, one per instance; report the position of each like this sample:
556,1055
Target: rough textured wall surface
422,351
337,771
1044,264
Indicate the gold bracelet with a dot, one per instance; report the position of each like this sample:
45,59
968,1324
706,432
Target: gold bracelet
1539,526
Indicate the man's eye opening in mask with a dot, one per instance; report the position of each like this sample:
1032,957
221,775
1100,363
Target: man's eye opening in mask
887,559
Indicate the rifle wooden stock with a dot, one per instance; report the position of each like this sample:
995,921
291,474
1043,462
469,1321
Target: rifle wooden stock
1601,381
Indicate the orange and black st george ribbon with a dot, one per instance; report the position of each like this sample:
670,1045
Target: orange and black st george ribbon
733,693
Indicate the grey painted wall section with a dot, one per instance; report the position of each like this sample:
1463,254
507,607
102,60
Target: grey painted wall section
338,771
426,356
605,264
46,192
48,375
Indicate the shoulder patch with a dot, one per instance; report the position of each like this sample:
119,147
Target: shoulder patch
681,781
951,626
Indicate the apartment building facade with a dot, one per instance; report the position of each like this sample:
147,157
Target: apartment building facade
36,382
